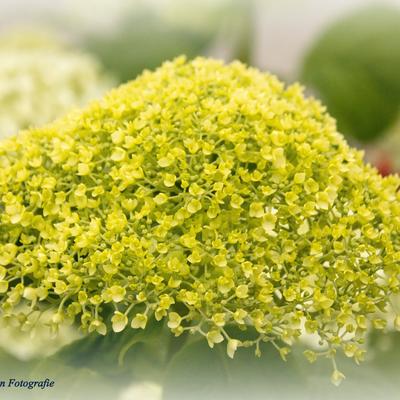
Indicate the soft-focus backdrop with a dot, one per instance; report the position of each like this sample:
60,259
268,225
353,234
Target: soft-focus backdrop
282,29
58,55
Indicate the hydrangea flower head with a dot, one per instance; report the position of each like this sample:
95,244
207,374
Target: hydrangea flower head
206,195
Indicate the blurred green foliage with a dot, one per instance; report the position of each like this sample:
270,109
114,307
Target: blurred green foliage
354,68
187,369
146,35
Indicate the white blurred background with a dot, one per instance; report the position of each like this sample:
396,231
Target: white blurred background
282,29
68,51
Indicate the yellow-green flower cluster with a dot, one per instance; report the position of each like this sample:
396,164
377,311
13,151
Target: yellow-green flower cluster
40,80
207,195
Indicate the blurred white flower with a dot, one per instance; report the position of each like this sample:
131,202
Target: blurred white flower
37,340
144,390
40,80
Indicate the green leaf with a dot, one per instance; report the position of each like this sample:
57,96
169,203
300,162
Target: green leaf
95,366
385,354
198,372
133,354
73,383
70,382
354,68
